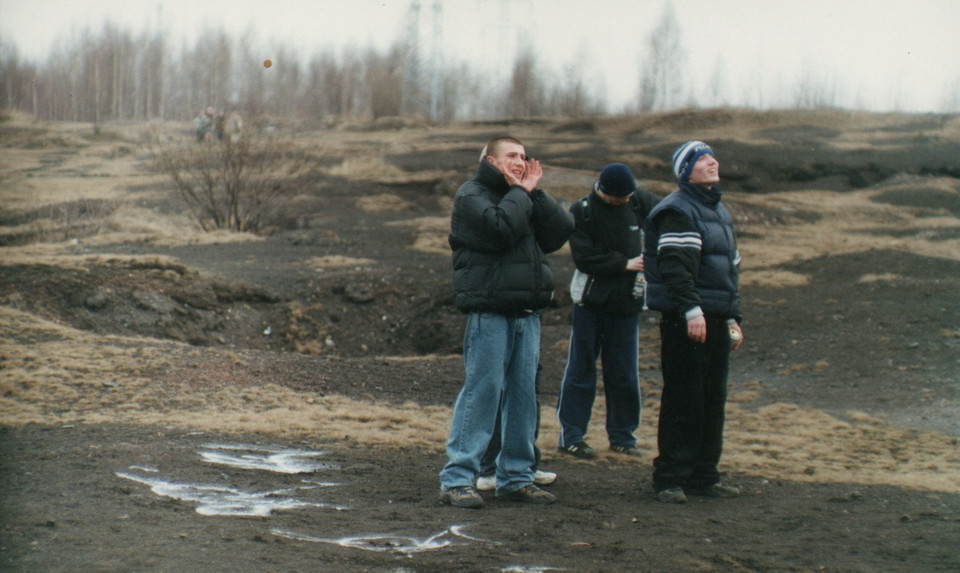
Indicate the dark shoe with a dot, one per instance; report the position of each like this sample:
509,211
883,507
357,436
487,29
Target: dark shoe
626,450
672,495
462,496
716,490
579,450
529,494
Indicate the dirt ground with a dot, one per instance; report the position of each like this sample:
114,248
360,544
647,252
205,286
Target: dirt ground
173,400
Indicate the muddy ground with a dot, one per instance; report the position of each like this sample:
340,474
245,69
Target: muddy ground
157,384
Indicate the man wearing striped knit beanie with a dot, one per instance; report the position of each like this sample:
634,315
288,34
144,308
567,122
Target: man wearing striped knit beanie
692,267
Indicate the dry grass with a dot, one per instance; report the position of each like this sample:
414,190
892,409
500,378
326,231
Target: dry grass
382,202
57,375
849,225
50,255
431,234
335,261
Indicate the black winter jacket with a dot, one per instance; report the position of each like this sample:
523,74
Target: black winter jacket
500,236
605,238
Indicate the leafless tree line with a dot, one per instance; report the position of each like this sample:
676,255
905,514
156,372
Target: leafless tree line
116,75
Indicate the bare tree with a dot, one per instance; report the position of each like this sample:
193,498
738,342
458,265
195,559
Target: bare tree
384,81
463,94
715,90
252,82
16,80
951,98
323,87
661,74
151,77
352,86
284,82
571,97
526,94
814,90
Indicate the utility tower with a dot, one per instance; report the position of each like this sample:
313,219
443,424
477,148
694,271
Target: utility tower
423,61
436,62
411,91
507,25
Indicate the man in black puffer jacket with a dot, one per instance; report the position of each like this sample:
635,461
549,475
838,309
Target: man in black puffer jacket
692,267
501,229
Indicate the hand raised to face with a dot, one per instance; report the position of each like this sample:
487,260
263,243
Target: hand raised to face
532,174
528,178
518,169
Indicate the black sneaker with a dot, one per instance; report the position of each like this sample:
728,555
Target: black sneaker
718,489
579,450
627,450
529,494
462,496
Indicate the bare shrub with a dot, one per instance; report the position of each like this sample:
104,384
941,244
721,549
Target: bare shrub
235,185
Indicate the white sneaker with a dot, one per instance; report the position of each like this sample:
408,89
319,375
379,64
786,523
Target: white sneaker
489,483
486,483
542,478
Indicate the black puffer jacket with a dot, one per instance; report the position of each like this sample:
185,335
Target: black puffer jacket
500,236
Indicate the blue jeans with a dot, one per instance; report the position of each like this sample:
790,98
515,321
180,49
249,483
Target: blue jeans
488,463
614,339
500,357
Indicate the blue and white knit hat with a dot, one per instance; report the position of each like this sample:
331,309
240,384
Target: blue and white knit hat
686,156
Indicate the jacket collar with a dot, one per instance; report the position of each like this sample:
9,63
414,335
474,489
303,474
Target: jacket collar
490,177
709,196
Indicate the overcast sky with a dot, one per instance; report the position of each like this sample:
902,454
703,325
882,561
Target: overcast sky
880,54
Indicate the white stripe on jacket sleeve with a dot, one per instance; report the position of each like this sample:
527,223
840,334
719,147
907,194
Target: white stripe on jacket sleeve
689,240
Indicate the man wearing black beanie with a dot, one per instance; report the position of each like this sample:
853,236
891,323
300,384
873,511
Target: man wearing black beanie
607,250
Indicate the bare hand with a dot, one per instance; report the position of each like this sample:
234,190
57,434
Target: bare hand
697,329
531,176
738,339
635,264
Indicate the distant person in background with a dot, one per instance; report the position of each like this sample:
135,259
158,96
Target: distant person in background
501,229
234,126
607,250
209,123
692,269
220,124
202,124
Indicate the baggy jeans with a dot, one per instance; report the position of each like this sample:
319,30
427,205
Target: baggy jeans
488,463
500,357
